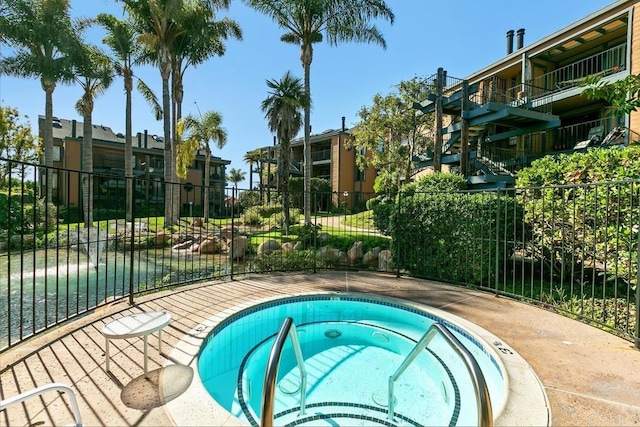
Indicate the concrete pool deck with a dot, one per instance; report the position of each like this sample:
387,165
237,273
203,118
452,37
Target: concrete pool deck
590,377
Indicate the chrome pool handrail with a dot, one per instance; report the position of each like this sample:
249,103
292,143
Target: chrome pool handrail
271,374
483,400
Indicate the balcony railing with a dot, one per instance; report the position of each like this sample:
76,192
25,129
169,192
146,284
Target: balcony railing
605,63
320,155
519,95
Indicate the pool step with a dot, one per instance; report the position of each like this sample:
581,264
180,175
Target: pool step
340,413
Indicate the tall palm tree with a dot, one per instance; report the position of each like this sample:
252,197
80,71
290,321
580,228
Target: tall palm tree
235,176
94,74
200,131
121,39
304,22
201,38
42,37
283,111
155,21
252,157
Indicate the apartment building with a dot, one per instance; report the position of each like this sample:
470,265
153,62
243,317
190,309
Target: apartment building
529,104
108,167
330,160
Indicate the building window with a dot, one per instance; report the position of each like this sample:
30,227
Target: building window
57,153
54,180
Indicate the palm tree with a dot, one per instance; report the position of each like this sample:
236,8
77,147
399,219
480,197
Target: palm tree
304,22
252,157
283,111
201,38
200,131
155,21
121,39
235,176
94,74
43,39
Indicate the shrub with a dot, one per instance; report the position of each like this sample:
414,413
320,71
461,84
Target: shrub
454,237
252,216
600,222
277,219
308,235
267,210
382,212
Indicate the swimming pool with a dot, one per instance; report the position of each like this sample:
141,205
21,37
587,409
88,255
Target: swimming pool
351,344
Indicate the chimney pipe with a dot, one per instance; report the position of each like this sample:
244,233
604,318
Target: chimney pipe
73,128
145,138
520,38
509,42
343,127
139,136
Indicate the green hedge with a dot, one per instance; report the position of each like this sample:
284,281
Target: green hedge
455,237
583,210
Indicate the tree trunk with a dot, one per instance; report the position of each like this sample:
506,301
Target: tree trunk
168,161
128,148
87,162
48,138
177,113
207,179
284,180
307,136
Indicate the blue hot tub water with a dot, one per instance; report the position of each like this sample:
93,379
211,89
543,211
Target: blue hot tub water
351,345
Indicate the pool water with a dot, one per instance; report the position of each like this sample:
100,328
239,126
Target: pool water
351,346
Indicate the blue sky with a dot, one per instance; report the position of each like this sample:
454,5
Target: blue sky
462,36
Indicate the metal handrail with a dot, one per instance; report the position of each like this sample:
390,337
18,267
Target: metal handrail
271,374
485,412
40,390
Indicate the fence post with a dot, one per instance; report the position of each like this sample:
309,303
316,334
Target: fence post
637,337
233,215
497,262
132,200
398,222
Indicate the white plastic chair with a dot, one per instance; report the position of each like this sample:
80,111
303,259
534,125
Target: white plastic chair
40,390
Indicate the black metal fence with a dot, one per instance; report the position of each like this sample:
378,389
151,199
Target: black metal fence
573,248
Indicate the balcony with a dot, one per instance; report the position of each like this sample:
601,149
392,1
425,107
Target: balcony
321,155
605,63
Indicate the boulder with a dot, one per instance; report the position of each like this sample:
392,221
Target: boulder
160,240
355,253
210,245
385,262
197,222
268,246
229,232
239,245
331,256
289,246
370,259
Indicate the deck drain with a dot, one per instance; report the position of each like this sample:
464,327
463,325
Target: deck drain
332,333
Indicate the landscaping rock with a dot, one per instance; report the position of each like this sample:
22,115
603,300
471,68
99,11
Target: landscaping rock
355,253
240,245
298,246
182,245
229,232
197,222
370,259
323,237
289,246
384,261
331,256
210,245
268,246
160,240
